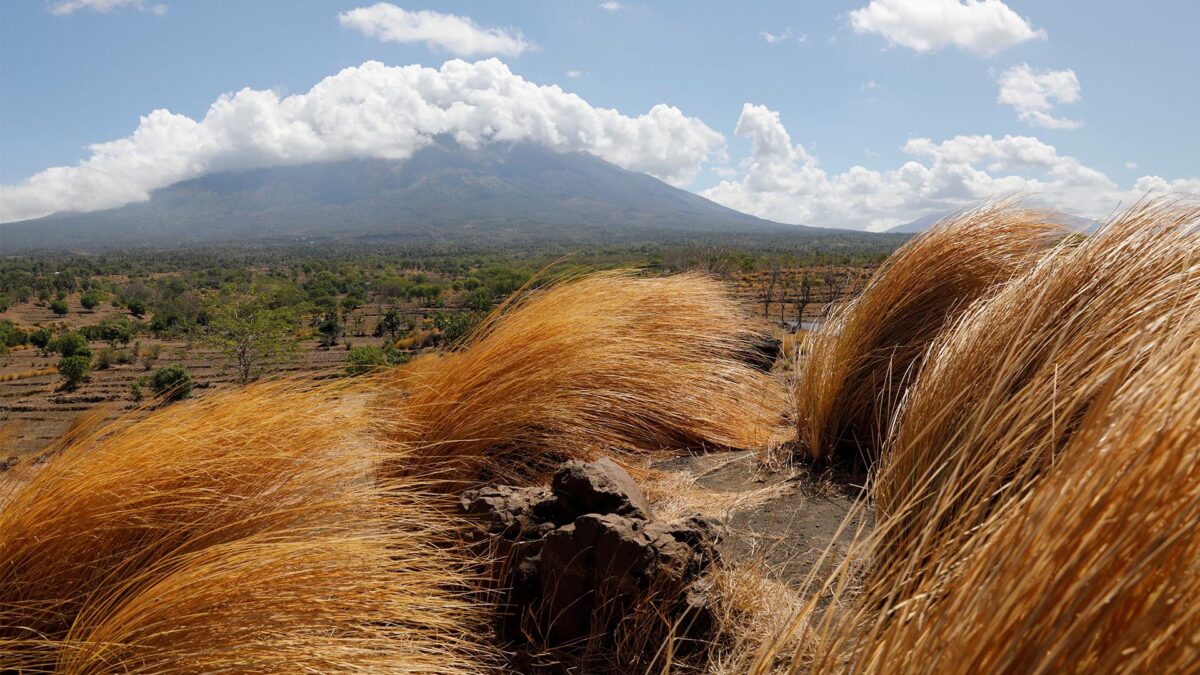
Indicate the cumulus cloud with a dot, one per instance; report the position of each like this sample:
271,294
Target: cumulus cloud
66,7
781,181
370,110
456,34
1034,93
984,27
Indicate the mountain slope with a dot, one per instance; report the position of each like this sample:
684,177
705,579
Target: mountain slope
442,192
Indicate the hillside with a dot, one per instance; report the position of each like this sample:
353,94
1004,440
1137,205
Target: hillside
443,192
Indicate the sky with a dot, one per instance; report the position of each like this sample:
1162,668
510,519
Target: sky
861,114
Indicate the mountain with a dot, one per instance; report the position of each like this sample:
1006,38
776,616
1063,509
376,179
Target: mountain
443,192
1077,223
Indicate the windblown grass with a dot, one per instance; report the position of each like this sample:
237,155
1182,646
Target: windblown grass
857,366
1007,386
242,532
609,362
1044,518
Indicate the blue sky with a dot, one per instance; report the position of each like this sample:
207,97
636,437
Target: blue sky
861,114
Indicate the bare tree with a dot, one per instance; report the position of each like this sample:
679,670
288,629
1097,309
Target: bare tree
768,289
803,298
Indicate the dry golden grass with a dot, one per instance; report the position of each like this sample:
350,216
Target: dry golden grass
1004,389
1098,569
27,374
244,532
610,362
856,367
1054,528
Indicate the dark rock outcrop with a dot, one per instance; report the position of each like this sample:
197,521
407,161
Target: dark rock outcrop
578,558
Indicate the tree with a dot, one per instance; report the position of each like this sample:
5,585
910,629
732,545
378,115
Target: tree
41,338
91,299
768,289
803,298
73,344
59,307
74,369
172,383
136,307
392,324
330,329
252,337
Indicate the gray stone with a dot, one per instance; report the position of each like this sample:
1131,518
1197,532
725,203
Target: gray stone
599,487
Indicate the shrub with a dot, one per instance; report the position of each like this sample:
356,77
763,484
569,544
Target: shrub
173,383
74,369
149,356
59,307
105,358
91,299
42,339
137,389
136,308
361,360
73,344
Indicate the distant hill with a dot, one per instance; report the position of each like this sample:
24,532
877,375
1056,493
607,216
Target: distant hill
923,223
444,192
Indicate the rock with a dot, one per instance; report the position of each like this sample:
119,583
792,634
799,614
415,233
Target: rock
577,559
516,513
599,487
9,463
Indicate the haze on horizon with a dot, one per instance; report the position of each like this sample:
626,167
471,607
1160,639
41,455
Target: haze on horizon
861,114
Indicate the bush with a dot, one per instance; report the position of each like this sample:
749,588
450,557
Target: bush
91,299
136,307
173,383
105,358
41,338
59,307
149,356
137,389
74,369
363,360
73,344
11,335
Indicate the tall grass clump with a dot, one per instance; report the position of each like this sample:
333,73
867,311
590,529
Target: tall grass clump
1097,568
1007,386
245,532
609,362
1094,569
857,366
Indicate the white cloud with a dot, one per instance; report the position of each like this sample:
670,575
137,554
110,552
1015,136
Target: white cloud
774,38
1131,165
803,38
611,6
781,181
370,110
868,85
984,27
456,34
66,7
574,74
1034,93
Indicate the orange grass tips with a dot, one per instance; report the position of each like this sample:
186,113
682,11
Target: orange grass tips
1095,570
241,532
611,361
1005,389
856,369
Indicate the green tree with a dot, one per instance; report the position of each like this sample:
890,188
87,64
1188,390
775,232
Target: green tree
74,369
41,338
73,344
136,307
91,299
362,360
173,383
330,329
252,337
392,324
59,307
